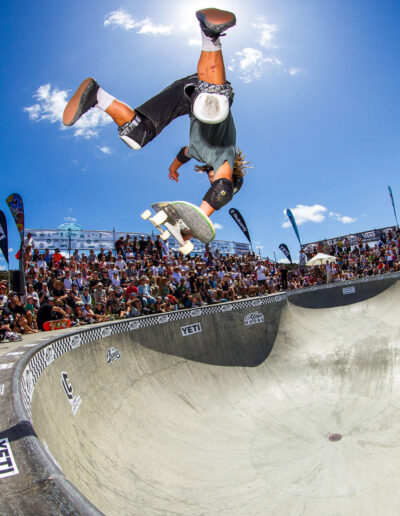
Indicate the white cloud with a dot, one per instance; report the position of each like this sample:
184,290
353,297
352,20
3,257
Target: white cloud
294,71
283,260
194,42
50,104
105,149
10,250
217,225
303,214
123,20
3,268
342,218
265,32
70,219
249,63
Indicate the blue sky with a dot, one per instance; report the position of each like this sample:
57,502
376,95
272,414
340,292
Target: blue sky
316,110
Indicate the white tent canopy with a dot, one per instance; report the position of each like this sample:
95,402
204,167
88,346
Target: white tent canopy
321,259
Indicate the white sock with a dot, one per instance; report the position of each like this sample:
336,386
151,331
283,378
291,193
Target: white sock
104,99
208,45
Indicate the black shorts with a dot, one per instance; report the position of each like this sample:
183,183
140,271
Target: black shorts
170,103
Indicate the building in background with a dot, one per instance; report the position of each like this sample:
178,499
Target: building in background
70,236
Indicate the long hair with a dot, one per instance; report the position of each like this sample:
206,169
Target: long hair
239,168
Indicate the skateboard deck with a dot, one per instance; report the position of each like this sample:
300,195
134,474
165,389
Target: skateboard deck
57,324
181,220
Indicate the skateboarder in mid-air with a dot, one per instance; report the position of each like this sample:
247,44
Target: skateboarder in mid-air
205,96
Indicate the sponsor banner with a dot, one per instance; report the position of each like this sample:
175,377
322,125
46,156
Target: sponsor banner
69,391
7,366
349,290
191,329
75,341
285,250
394,208
28,377
238,218
195,313
49,355
2,389
8,466
293,222
134,325
113,355
226,308
3,235
106,332
16,206
253,318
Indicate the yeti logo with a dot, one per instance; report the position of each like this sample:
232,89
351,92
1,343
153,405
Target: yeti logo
112,355
8,466
253,318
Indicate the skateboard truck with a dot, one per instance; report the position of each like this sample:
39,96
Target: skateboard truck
175,230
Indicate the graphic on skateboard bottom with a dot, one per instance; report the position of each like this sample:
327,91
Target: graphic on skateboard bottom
180,219
58,324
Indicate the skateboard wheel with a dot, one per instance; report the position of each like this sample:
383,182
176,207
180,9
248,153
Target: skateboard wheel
165,234
146,215
159,218
186,248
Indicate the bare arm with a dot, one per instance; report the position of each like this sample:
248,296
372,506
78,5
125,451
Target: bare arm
176,164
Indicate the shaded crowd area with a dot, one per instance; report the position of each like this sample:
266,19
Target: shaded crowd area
141,276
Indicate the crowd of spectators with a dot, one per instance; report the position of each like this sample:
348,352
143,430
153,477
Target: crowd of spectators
142,277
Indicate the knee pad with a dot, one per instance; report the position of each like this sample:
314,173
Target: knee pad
219,194
137,133
237,184
211,102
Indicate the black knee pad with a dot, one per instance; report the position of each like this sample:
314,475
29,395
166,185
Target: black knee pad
237,184
210,103
219,194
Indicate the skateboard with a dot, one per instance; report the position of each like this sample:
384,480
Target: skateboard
58,324
179,219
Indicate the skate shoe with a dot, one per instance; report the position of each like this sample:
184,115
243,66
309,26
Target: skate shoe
214,22
82,100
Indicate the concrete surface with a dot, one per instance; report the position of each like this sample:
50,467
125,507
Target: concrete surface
235,419
283,405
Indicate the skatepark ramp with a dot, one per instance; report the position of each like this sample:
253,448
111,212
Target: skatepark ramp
279,405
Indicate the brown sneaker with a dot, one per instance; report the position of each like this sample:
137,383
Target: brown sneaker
81,101
214,22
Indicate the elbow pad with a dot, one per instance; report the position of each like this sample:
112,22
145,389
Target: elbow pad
181,156
219,194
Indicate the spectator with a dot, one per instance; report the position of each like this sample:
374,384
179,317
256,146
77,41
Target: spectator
49,312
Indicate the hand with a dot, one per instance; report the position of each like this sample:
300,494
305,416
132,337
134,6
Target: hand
173,174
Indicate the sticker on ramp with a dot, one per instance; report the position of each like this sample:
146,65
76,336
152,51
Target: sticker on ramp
349,290
190,329
2,389
253,318
8,466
